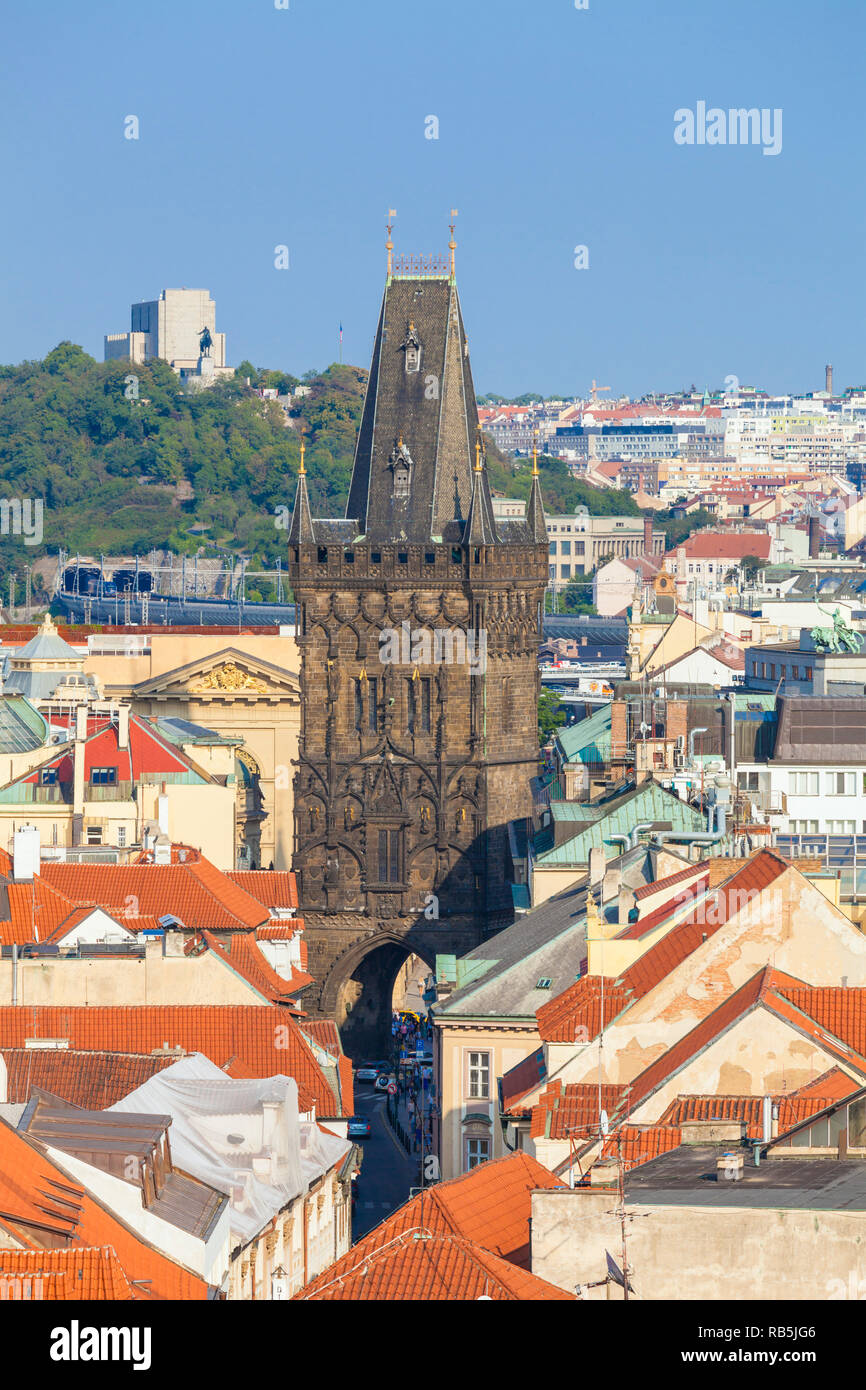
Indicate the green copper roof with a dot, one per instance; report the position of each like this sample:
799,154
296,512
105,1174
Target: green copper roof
589,740
650,802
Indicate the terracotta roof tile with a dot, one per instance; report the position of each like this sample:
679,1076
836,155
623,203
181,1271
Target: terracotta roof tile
38,1201
579,1007
649,890
733,545
639,1143
93,1080
521,1080
576,1014
197,892
54,1276
324,1031
490,1207
430,1268
262,1040
271,887
572,1112
244,956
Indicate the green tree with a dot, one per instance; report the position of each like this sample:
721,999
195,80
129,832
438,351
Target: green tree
551,715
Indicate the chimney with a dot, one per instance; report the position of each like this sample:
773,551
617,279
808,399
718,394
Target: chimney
162,809
626,905
25,854
828,379
81,721
123,727
597,866
647,535
814,537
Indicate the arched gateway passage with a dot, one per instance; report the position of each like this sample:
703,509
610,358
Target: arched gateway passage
359,991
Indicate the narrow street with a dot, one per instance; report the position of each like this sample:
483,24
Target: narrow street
386,1172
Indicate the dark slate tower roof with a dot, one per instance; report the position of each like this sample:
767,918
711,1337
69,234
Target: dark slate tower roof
481,525
301,529
535,519
412,477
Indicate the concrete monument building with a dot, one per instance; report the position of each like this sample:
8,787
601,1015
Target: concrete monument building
179,328
418,623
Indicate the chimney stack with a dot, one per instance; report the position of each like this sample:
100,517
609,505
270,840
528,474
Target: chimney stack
828,379
648,535
814,537
25,854
123,727
81,721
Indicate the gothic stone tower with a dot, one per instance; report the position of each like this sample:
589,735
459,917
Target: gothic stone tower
418,623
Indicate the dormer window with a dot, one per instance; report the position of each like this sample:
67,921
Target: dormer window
412,349
401,467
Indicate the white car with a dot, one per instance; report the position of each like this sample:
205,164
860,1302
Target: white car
368,1071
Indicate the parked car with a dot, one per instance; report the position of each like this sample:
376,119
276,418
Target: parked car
359,1127
368,1071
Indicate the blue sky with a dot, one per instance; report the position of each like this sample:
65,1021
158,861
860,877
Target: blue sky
262,126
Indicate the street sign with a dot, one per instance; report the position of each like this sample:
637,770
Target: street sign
392,1089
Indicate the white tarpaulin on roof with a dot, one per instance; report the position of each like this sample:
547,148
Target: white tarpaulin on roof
242,1137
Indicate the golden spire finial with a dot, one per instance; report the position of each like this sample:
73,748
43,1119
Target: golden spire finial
302,469
478,453
389,245
452,245
534,460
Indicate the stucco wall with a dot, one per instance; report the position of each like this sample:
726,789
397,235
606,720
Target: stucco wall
694,1252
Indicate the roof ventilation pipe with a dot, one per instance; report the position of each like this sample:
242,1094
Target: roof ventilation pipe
692,736
635,831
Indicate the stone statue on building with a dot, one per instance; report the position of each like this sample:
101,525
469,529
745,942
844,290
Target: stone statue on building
838,638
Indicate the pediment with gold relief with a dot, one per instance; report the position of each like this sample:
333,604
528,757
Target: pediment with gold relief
225,673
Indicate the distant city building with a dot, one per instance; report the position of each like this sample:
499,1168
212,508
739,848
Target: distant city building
180,329
578,542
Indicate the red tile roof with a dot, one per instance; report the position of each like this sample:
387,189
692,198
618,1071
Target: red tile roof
54,1276
262,1041
432,1268
639,1143
521,1080
272,887
579,1007
489,1207
576,1014
726,545
324,1031
36,910
566,1112
196,892
649,890
93,1080
677,904
39,1202
243,955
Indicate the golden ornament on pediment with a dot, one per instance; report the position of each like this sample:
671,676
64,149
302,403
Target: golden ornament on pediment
231,677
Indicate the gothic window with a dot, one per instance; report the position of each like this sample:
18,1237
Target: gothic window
367,706
420,720
388,856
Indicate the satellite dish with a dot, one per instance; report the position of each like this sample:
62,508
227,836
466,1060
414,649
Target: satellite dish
605,1124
